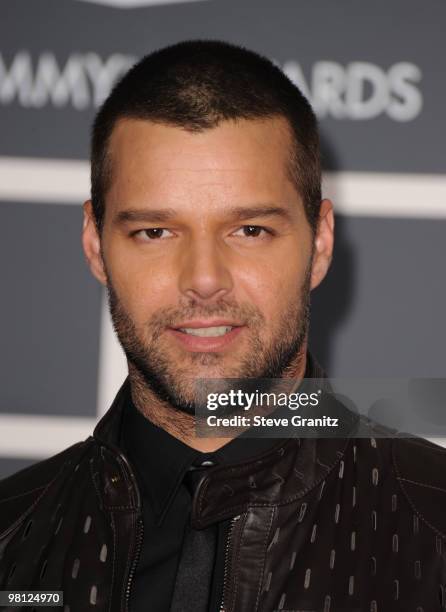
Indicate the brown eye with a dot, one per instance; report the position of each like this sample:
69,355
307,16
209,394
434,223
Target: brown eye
252,230
154,232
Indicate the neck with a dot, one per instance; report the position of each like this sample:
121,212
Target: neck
182,425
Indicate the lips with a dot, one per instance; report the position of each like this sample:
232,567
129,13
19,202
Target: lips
203,323
207,332
207,335
207,329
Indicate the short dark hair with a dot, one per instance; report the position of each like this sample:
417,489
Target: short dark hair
195,85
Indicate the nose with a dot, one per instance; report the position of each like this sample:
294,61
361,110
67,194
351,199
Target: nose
205,270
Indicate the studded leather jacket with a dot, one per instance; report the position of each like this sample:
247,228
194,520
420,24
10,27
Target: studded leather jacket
317,525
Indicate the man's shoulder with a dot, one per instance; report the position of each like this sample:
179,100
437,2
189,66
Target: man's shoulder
420,461
21,490
413,458
420,467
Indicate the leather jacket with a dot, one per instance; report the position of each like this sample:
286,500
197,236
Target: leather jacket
317,525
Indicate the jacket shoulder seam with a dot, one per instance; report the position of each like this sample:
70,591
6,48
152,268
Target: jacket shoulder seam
27,492
422,484
42,490
418,513
401,480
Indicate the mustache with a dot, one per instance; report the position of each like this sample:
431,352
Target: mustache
171,316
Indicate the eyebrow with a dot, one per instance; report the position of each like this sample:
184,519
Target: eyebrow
240,213
149,216
237,213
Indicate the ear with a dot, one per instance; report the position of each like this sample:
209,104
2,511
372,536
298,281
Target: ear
323,243
91,243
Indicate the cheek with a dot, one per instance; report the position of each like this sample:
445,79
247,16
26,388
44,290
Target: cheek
272,286
143,289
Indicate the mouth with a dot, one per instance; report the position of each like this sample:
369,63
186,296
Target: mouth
198,336
207,332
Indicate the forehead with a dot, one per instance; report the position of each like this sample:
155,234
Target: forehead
238,159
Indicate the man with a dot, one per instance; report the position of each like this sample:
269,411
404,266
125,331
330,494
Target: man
207,227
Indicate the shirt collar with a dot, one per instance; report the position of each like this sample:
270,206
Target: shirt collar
159,459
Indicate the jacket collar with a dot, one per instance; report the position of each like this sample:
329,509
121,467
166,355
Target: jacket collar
282,475
108,429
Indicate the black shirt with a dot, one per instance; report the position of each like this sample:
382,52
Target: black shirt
160,462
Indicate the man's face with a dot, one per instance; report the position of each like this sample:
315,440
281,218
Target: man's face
206,253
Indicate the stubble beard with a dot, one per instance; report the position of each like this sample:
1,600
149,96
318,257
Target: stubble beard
173,383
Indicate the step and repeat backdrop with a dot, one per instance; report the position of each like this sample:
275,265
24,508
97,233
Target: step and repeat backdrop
375,74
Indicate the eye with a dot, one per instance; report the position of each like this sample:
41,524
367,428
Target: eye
252,231
152,233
